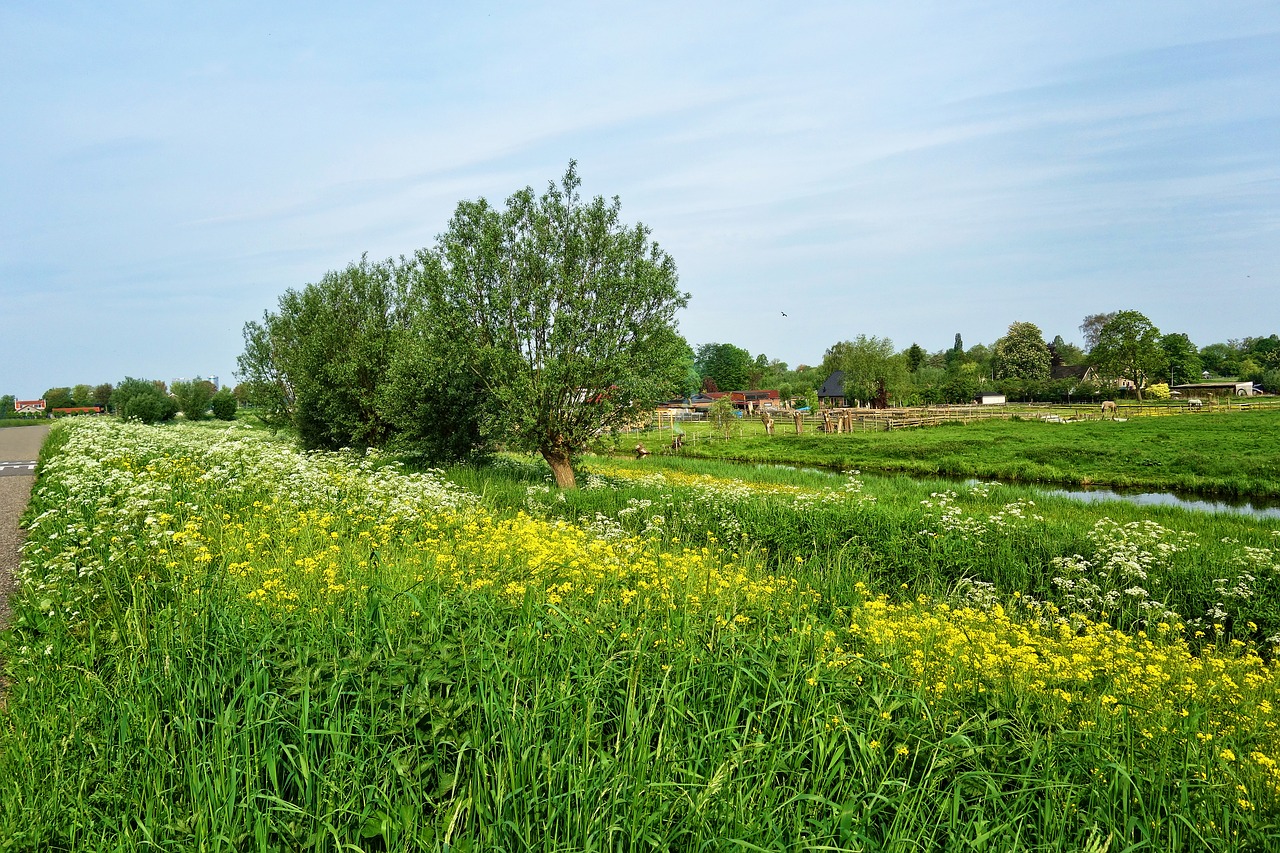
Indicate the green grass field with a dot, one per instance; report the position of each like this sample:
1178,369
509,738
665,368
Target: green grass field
1230,453
220,644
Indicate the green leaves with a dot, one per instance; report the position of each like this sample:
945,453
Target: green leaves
727,365
1129,348
194,397
539,325
565,316
872,371
1022,353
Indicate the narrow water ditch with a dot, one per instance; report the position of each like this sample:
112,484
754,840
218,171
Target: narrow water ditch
1268,508
1255,507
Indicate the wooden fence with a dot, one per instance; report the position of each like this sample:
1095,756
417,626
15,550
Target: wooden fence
835,421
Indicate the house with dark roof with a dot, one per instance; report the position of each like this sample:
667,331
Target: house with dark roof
1078,372
831,394
702,401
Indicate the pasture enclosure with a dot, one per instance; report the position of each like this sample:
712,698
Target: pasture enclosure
1226,451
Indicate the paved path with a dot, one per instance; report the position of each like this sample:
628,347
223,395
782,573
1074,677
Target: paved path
19,446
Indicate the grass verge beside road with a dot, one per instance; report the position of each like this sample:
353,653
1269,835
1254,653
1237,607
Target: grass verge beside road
222,644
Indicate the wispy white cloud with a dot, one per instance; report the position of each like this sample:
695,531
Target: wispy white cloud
909,170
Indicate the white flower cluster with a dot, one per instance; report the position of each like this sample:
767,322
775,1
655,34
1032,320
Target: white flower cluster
970,592
118,494
1125,557
982,490
950,519
604,527
537,499
1012,514
852,491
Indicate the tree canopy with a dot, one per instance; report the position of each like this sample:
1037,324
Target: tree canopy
193,397
915,356
1128,347
564,315
1182,358
1022,353
729,366
143,400
539,325
58,398
319,361
1091,328
873,372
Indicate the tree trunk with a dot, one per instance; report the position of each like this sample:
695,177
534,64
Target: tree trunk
882,396
561,468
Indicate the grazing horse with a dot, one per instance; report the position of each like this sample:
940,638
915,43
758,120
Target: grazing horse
1109,406
1194,403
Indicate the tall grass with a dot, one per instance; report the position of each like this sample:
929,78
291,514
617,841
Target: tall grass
1218,573
220,645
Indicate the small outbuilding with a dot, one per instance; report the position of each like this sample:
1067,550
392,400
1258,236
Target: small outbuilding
831,394
990,399
1226,388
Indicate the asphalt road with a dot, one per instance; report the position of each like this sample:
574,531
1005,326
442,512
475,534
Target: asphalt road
21,444
19,447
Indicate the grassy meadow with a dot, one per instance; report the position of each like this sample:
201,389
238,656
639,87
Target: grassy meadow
1227,452
222,644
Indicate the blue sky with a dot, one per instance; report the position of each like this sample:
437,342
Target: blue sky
908,170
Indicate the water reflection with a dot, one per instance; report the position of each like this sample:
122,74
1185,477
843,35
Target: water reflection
1255,508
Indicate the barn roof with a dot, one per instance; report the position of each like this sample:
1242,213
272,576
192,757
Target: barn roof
834,386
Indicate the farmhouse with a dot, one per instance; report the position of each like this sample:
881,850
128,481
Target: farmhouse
29,407
746,400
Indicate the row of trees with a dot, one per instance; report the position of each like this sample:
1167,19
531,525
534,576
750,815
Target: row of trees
1023,364
79,395
541,324
537,325
146,400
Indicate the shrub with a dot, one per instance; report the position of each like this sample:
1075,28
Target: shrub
722,414
143,400
150,408
193,397
224,405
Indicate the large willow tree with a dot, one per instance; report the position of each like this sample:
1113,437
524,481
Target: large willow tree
564,315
